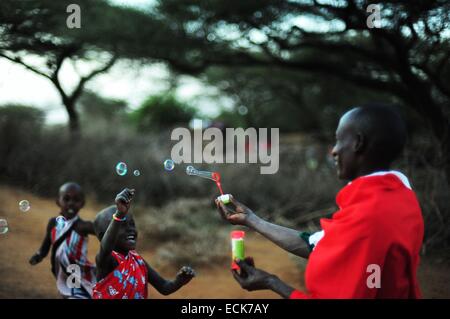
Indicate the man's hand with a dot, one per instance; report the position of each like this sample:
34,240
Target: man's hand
185,275
251,278
123,200
239,216
35,259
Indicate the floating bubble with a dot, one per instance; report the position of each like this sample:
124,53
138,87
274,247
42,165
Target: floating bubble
242,110
169,165
136,172
60,222
312,164
121,168
3,226
24,205
190,170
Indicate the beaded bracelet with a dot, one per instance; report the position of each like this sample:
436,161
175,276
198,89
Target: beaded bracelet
119,219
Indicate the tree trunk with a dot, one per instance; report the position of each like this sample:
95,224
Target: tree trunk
74,121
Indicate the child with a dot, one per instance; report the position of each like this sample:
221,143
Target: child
69,242
121,272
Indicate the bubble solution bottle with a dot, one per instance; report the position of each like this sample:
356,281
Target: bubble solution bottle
237,247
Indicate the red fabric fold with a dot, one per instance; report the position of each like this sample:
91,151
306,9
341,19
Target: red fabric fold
377,233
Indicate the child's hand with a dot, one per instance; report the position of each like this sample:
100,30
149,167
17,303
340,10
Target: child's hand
185,275
123,200
35,259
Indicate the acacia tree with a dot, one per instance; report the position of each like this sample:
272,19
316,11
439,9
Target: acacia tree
38,29
407,57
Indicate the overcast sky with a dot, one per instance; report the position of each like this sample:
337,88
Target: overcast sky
130,82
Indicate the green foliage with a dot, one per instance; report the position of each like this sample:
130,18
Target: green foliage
232,119
20,115
162,111
20,128
97,107
28,119
291,101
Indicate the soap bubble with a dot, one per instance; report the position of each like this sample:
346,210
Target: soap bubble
121,168
190,170
3,226
242,110
169,165
136,172
24,205
312,164
60,222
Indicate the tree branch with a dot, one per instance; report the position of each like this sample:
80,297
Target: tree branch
76,93
29,67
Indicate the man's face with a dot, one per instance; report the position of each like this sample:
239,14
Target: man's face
344,153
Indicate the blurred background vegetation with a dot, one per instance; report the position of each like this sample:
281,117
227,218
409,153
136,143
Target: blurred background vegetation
278,71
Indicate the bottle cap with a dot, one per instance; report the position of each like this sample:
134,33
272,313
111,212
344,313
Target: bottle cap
237,234
224,198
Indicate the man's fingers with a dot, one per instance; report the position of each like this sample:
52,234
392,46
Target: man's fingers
228,212
224,209
235,202
220,209
250,261
240,208
247,268
238,278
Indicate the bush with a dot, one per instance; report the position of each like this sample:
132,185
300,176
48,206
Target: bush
41,159
185,231
161,112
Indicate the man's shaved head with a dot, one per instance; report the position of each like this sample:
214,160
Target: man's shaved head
383,129
368,139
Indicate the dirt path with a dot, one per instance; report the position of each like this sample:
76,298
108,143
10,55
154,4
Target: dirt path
26,231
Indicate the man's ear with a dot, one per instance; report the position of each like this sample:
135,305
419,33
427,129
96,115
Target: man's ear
57,202
360,143
82,203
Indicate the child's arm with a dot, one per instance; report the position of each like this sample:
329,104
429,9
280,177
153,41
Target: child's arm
46,244
104,258
167,287
86,228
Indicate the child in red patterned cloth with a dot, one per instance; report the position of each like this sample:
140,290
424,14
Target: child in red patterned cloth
121,272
